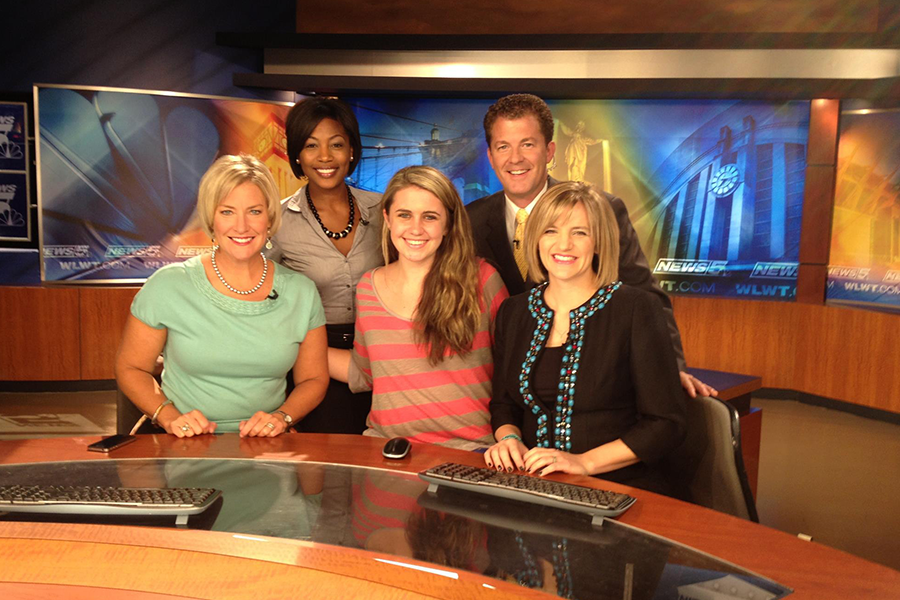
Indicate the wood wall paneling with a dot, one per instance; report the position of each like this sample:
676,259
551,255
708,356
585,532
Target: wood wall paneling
39,339
741,336
587,16
102,317
841,353
818,211
811,280
823,131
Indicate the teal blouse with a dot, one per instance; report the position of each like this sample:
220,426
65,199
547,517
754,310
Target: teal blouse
225,357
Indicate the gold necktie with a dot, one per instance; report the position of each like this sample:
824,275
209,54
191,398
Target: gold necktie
519,243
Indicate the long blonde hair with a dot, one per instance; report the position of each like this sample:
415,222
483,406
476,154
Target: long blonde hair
449,310
559,201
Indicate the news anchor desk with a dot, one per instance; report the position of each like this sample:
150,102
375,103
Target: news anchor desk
326,516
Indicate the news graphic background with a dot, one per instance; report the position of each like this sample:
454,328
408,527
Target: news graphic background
714,188
865,240
15,213
119,172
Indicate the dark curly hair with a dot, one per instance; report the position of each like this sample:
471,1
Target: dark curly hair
517,106
306,115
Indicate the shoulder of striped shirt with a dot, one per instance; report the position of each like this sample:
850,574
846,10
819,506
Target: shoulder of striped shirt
490,280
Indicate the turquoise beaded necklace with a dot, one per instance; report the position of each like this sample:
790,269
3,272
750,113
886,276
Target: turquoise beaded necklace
565,398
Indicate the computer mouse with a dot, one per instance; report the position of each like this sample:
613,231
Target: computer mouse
397,447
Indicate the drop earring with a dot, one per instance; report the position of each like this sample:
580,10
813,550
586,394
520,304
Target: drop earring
269,239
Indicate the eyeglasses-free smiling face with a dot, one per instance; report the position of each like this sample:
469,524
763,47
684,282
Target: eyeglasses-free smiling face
325,157
241,222
519,155
417,220
566,248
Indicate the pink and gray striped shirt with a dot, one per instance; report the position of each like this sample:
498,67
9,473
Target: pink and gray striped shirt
443,404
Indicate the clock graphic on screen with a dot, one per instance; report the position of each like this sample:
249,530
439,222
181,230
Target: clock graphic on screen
725,180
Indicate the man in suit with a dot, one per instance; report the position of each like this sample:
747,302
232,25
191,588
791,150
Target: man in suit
519,133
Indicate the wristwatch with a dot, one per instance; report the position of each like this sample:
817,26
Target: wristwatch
288,419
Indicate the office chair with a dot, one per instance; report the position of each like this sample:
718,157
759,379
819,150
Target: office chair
127,414
709,461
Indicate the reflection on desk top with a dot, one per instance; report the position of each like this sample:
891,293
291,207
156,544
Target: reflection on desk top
357,524
392,513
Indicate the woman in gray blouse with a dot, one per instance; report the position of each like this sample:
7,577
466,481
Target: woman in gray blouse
330,232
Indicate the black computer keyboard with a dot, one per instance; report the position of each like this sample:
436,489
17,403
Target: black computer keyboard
528,489
87,500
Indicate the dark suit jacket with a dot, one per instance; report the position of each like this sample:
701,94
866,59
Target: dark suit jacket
488,217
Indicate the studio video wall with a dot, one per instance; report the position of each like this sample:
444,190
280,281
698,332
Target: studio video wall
714,188
865,240
119,172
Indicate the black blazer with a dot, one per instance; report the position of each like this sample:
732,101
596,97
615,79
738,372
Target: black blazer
488,217
627,386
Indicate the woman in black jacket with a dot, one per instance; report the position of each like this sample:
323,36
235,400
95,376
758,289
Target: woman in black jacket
585,379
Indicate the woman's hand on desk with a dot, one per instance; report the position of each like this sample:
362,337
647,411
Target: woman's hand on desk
506,455
547,460
263,424
188,424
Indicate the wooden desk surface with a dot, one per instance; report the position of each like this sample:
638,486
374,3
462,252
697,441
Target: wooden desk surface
161,561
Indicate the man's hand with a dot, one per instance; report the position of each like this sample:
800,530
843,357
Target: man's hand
694,387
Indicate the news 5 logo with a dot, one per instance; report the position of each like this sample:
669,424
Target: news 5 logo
854,273
775,270
686,266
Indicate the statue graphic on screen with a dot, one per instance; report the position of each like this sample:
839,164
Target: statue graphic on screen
576,151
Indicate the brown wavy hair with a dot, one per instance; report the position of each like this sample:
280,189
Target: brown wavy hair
449,311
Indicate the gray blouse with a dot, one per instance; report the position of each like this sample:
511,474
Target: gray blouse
301,245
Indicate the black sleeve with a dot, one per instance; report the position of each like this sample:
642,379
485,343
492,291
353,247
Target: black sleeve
504,409
635,271
658,394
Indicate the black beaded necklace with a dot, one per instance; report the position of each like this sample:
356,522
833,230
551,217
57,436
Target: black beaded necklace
333,235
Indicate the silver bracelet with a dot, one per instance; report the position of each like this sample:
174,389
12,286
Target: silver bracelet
156,412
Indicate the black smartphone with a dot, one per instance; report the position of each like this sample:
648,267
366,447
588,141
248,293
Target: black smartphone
110,443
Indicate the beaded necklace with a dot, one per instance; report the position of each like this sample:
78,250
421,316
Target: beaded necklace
262,279
565,398
332,234
532,577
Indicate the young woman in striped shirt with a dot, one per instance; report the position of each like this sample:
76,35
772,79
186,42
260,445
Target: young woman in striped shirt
423,327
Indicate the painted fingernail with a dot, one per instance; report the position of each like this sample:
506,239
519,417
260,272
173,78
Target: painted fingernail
509,469
490,465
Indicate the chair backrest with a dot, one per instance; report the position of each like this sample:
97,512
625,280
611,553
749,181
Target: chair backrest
127,414
709,462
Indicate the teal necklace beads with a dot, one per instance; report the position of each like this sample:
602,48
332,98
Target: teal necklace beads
568,373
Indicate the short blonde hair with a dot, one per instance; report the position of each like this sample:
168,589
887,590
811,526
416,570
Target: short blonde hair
558,202
227,173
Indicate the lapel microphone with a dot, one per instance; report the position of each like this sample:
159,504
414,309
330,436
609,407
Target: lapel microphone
362,221
273,295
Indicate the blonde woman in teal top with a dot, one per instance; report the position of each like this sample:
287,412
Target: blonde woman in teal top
229,324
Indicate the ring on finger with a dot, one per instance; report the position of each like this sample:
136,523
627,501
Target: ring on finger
270,425
554,460
185,428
